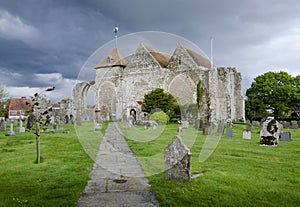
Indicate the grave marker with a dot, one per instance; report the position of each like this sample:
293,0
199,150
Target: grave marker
177,160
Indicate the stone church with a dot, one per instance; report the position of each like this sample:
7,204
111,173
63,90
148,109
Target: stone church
121,83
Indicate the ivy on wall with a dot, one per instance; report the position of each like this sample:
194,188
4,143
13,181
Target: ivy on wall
199,93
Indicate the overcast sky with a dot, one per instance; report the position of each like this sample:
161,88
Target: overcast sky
46,42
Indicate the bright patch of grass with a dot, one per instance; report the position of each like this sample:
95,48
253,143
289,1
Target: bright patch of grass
57,181
238,172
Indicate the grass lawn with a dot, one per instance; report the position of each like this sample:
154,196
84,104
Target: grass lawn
59,179
238,172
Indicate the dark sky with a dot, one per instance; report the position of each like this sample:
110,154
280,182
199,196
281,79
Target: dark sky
46,42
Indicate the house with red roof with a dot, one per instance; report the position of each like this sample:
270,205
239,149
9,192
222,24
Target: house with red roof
18,106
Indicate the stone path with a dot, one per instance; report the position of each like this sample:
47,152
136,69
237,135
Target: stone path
116,178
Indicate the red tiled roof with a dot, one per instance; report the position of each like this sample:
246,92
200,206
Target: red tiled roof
162,58
114,58
19,103
200,60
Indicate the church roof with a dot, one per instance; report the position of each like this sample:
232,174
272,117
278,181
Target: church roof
162,58
114,58
200,60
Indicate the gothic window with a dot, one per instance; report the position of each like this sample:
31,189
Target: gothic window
179,60
108,60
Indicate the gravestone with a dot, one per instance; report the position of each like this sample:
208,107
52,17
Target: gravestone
286,124
56,124
30,121
2,125
185,124
207,129
285,136
221,127
294,125
11,131
20,128
246,134
249,127
179,129
255,123
229,133
269,133
153,124
177,160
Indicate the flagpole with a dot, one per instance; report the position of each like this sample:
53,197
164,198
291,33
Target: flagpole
116,37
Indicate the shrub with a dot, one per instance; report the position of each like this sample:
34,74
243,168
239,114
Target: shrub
160,117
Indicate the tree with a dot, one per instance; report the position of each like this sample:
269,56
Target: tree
158,99
272,92
3,93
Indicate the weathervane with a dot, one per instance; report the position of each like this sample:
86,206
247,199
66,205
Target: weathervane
116,37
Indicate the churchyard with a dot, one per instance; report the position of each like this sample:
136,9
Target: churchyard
239,172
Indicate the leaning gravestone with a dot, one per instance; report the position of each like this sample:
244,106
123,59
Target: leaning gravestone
2,125
177,160
269,133
285,136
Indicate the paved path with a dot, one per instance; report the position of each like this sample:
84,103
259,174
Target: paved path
117,178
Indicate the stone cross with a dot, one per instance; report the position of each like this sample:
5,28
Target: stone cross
11,129
20,128
177,160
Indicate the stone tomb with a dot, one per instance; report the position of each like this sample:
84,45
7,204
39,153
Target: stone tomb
285,136
177,160
269,133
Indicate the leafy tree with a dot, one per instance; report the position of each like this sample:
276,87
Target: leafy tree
274,92
160,117
3,93
158,99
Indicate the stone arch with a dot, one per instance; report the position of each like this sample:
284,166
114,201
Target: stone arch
106,100
80,99
183,88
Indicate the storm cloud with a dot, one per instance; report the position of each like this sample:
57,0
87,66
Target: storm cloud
40,37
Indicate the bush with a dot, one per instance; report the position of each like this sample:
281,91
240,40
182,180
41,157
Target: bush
160,117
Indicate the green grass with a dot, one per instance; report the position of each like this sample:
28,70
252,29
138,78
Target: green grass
238,172
58,180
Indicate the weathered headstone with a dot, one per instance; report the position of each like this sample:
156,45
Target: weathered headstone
56,124
229,133
185,124
177,160
285,136
269,133
207,129
286,125
11,131
294,125
255,123
179,129
30,121
249,127
2,125
221,127
246,134
153,124
20,128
